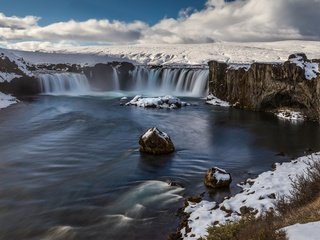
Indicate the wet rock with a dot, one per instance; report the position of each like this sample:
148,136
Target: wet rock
156,142
217,178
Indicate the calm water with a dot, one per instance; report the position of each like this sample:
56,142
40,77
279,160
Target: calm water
70,166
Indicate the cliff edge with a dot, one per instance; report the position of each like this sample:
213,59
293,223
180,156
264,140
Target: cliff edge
294,85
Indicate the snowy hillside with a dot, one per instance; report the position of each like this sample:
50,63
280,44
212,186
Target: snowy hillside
180,54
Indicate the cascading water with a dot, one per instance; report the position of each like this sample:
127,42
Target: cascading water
64,83
142,80
115,78
180,82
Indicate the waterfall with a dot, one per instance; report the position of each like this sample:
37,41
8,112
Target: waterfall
64,83
175,81
115,78
142,80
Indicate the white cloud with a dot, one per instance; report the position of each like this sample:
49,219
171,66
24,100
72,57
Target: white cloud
240,20
17,22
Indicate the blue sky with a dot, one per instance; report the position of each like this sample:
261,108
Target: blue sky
125,10
34,24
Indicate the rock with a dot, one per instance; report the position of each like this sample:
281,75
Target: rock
217,178
166,102
156,142
293,84
303,56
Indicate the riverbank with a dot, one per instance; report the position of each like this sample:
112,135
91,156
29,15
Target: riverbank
258,196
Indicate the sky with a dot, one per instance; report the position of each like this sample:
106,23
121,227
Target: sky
45,24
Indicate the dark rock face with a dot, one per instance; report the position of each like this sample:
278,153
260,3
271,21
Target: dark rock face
267,86
217,178
21,87
153,141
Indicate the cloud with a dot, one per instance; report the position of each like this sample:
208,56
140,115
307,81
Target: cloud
17,22
239,20
90,30
242,20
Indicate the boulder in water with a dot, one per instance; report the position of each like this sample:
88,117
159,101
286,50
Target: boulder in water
156,142
217,178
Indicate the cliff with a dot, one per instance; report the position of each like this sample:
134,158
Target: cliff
294,84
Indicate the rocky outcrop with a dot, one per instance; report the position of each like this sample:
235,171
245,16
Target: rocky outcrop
16,80
217,178
153,141
294,84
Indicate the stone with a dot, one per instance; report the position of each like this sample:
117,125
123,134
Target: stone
217,178
155,142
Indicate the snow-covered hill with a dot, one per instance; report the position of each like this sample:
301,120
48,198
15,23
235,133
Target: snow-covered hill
181,54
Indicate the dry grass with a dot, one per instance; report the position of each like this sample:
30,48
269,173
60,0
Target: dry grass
302,206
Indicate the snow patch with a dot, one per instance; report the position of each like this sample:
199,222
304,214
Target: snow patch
258,196
309,231
17,59
311,69
212,100
159,133
221,176
246,67
290,115
8,77
167,102
6,100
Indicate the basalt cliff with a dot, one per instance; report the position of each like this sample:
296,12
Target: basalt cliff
293,85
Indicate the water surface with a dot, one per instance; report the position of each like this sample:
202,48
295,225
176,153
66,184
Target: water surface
70,166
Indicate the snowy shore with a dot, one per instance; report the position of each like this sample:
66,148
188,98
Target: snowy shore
257,196
6,100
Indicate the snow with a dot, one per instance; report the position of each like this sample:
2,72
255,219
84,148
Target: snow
212,100
18,59
290,115
220,176
157,132
309,231
259,195
6,100
233,66
167,102
311,69
4,76
175,54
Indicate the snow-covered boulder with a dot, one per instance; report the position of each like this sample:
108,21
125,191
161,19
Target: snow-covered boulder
217,178
167,102
155,142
